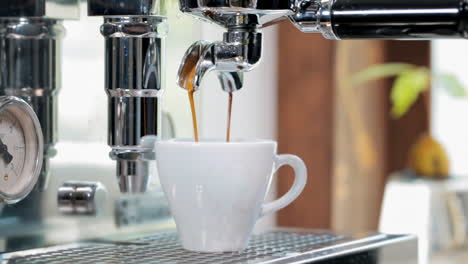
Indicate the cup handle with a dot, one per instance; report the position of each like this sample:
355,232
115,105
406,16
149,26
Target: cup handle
300,180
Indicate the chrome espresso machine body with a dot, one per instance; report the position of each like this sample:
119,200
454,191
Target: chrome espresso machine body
241,48
100,223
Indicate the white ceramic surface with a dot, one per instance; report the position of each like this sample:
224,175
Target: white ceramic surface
216,190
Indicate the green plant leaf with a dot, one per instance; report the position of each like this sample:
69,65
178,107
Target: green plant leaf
406,89
379,71
451,84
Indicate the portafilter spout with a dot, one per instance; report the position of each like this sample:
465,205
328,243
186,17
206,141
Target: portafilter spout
240,51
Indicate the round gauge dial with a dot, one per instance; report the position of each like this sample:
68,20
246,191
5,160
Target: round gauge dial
21,146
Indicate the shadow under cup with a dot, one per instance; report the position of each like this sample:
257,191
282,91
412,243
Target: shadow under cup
216,190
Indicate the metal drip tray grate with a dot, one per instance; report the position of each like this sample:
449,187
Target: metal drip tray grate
163,248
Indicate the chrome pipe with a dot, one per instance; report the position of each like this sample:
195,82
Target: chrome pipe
391,19
30,69
78,198
134,84
133,175
134,77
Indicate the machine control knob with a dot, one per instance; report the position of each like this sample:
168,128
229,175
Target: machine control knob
81,198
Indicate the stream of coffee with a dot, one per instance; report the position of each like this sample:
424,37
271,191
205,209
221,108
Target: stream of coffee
194,115
187,78
228,133
191,91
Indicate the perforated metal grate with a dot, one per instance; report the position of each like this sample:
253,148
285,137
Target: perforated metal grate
163,248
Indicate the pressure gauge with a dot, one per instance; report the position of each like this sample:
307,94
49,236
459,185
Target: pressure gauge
21,149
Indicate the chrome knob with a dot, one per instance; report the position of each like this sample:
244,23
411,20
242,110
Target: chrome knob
81,198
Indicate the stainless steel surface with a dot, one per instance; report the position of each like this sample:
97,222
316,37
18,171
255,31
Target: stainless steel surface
56,9
399,19
134,84
32,162
278,246
228,13
240,51
81,198
31,69
241,48
133,175
314,16
231,81
30,55
334,19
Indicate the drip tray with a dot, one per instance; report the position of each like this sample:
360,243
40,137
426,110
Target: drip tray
277,246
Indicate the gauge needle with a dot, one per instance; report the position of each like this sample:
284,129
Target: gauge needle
7,157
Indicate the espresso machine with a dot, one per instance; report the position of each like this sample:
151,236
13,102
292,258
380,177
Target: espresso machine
125,218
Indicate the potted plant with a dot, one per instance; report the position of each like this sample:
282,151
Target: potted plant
427,157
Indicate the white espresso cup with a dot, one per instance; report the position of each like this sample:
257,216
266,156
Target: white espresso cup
216,190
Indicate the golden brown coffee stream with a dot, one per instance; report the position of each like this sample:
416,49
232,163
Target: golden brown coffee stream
194,115
228,133
191,90
186,80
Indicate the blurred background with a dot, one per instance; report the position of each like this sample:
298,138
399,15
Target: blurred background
301,97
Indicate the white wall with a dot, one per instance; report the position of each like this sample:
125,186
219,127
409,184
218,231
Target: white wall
449,115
